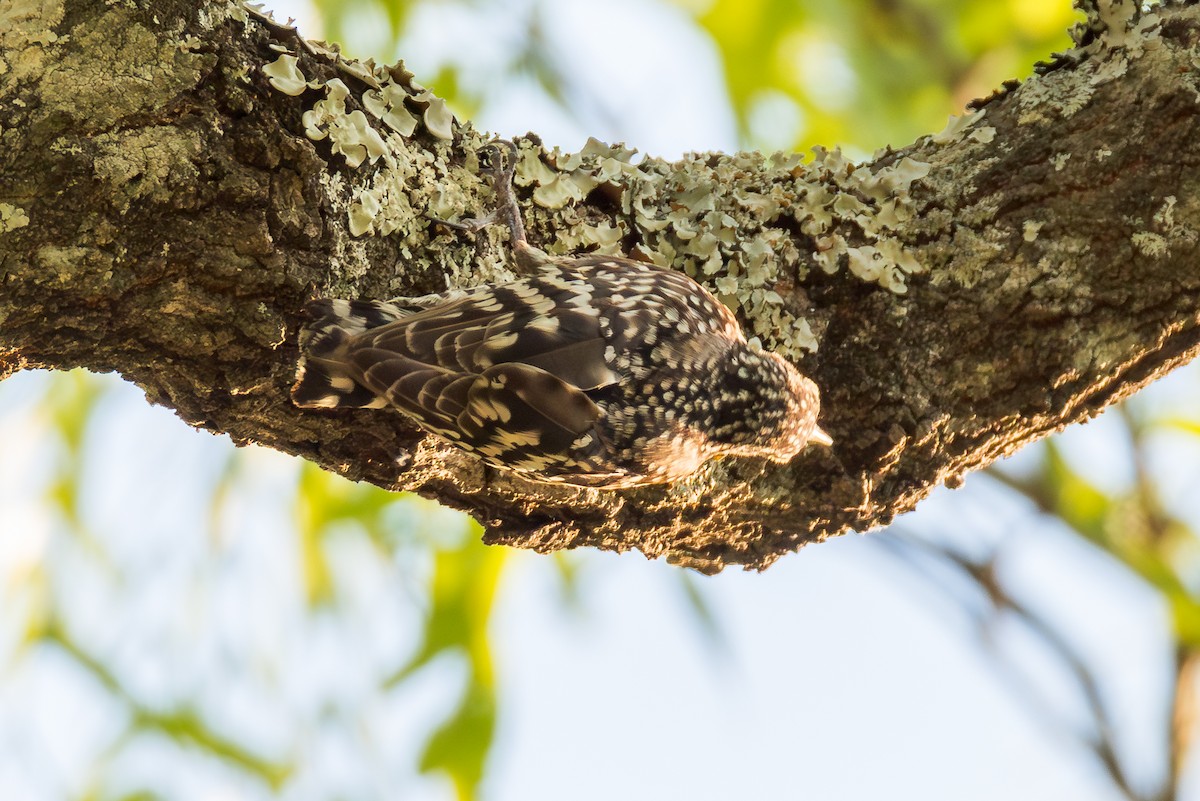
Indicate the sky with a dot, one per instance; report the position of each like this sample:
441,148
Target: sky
836,673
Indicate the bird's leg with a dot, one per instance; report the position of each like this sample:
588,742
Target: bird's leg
507,211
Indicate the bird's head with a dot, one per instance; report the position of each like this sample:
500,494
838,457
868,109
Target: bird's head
765,407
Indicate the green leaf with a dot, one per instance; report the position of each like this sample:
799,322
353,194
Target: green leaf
460,746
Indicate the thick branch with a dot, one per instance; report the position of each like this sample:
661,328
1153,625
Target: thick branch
163,214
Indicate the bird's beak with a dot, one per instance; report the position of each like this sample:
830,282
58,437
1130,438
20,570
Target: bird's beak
819,437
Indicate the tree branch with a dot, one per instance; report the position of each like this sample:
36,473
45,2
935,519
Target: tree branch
167,207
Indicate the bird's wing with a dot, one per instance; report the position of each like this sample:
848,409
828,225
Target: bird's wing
526,322
503,371
524,409
515,414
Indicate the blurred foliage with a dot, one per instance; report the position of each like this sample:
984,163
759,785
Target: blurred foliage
461,592
457,596
859,74
873,72
72,403
339,17
1134,528
1146,535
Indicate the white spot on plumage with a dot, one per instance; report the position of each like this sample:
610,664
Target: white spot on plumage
327,402
505,340
519,439
547,324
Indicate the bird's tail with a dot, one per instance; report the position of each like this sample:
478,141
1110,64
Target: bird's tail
325,376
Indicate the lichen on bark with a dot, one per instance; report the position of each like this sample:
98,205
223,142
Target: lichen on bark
167,208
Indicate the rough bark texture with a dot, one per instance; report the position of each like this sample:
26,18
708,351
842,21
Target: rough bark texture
164,215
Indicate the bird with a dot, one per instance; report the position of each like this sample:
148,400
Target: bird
589,370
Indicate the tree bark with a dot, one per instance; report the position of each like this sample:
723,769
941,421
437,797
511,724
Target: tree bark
167,207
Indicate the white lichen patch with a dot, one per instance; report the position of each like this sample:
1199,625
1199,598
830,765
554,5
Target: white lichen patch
438,119
412,186
146,163
97,84
1168,230
26,23
956,128
1121,30
983,135
1061,93
1110,70
385,96
564,179
384,205
210,16
12,217
350,133
26,32
974,251
387,104
1151,244
284,75
730,222
604,237
400,188
1031,229
1165,216
1119,40
1059,160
